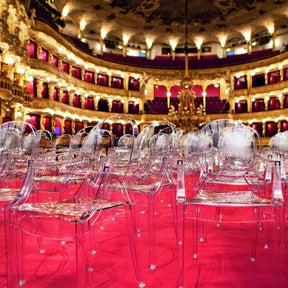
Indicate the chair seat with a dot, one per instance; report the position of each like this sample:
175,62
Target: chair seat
69,209
8,194
51,178
224,198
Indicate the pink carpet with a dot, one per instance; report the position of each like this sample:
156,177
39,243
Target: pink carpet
223,259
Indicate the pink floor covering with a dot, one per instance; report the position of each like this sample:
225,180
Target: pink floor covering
223,259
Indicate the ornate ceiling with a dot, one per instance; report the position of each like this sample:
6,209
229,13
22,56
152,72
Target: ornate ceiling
162,20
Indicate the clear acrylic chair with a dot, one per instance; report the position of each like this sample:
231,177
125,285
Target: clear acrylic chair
18,145
147,184
70,212
229,181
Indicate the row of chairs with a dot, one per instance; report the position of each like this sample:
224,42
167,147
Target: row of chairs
75,184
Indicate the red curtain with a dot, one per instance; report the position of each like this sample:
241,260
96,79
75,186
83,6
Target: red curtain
68,127
240,82
241,106
56,94
32,87
160,91
89,76
32,48
271,128
117,106
273,103
44,55
76,101
89,103
78,126
198,90
213,91
133,84
65,67
117,129
76,72
54,61
258,127
258,105
274,77
103,80
175,90
6,119
34,120
48,123
45,91
285,101
57,126
133,108
284,126
65,98
117,82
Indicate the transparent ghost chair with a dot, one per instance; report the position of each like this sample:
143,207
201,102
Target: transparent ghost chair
69,213
150,185
15,152
45,145
120,150
62,144
230,182
77,140
17,146
278,150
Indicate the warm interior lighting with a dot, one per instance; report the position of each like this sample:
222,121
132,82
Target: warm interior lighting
247,34
149,42
173,43
82,24
271,28
222,39
125,38
198,41
65,11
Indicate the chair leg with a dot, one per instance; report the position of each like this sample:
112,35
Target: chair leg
131,231
180,218
258,225
279,244
151,230
82,260
14,251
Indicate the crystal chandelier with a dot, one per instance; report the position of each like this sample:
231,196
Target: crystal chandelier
187,117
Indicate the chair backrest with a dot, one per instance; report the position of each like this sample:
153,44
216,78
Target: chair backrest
228,147
237,149
147,138
18,136
18,145
62,143
119,123
97,143
215,128
279,142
